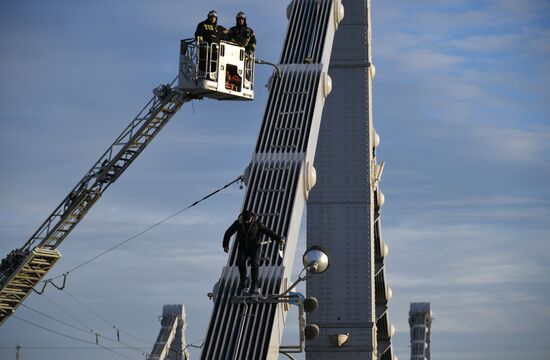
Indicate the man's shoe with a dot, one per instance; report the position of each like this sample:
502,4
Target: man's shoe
257,291
243,284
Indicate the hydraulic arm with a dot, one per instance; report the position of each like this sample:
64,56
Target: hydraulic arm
23,268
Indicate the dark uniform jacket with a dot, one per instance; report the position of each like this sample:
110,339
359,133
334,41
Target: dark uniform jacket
248,235
244,36
211,33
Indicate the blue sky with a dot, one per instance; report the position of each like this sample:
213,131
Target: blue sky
461,101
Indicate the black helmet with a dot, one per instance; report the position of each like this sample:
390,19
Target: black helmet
241,15
213,13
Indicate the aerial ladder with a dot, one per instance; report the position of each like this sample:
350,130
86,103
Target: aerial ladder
222,71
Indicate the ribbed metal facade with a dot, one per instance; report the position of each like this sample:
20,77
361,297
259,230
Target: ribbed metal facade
343,212
307,32
284,128
277,183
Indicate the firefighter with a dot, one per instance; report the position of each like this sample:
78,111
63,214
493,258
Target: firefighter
209,32
248,230
242,34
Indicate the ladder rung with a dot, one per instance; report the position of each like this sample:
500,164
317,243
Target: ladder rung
14,292
128,156
21,282
34,265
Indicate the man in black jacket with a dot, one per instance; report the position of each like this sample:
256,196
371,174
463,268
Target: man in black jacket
248,230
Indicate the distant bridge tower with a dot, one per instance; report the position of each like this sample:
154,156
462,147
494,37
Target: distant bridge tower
171,344
420,320
343,211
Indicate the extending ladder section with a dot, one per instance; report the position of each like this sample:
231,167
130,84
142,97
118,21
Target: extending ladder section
278,180
125,149
31,270
72,214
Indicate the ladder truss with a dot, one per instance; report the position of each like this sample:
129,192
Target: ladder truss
125,149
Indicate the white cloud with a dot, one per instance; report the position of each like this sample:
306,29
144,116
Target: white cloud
429,60
471,273
539,41
471,209
507,144
487,43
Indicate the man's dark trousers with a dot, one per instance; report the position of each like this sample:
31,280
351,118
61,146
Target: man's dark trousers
254,255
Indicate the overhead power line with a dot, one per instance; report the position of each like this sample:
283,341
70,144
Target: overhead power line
65,311
92,332
64,275
90,309
71,337
64,348
122,331
62,287
119,330
88,332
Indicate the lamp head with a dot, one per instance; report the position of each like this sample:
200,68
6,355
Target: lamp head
316,260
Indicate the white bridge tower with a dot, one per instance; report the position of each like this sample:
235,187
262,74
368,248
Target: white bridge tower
343,210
